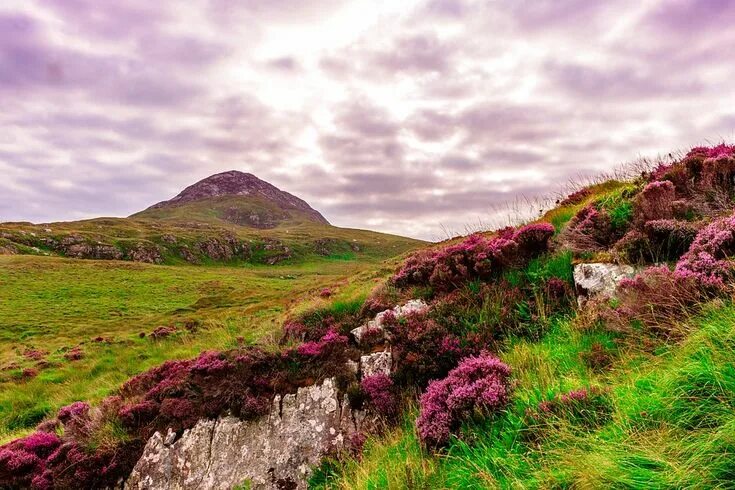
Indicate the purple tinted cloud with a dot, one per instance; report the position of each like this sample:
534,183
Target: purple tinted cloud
380,114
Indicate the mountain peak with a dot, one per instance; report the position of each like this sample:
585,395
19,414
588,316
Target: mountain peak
237,184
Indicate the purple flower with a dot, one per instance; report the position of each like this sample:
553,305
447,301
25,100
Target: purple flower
708,259
477,383
380,394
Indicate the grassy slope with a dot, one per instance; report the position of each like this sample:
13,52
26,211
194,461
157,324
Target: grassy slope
673,422
53,304
299,235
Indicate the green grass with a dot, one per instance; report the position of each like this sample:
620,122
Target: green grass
672,426
53,304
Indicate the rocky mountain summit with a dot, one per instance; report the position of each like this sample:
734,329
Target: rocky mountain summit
236,183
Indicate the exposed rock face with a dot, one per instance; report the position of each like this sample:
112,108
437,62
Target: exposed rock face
599,278
375,363
275,451
234,183
413,306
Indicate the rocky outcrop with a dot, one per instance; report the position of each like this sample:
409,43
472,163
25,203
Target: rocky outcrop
275,451
599,279
413,306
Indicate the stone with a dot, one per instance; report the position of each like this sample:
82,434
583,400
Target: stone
277,450
599,278
376,363
412,306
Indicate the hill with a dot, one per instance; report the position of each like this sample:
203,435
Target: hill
231,217
519,369
234,197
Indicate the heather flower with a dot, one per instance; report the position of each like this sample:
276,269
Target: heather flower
655,202
162,332
74,354
138,414
708,259
589,230
477,384
356,443
380,394
476,257
76,410
328,342
534,239
325,293
712,152
576,197
211,363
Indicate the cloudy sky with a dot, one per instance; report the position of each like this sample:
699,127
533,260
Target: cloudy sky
411,117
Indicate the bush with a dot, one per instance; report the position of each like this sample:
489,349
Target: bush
704,174
477,385
656,299
380,393
708,261
663,240
655,202
475,258
422,349
590,230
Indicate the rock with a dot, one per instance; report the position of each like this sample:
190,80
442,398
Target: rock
277,450
599,278
148,253
376,363
98,251
412,306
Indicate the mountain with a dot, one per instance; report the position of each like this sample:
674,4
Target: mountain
235,197
231,217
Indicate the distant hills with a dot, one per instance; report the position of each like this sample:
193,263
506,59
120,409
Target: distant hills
228,217
235,197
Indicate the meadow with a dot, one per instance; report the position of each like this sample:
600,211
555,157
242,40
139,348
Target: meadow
53,307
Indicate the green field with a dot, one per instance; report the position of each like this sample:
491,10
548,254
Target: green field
54,304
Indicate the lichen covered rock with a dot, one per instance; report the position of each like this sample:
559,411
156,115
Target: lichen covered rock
275,451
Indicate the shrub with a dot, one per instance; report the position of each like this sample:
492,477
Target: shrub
576,197
708,260
477,385
533,239
662,240
422,350
589,230
74,354
161,332
704,174
380,393
657,299
475,258
655,202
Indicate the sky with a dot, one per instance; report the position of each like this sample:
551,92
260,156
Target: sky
419,118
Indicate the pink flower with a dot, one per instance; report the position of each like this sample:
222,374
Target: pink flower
481,382
380,394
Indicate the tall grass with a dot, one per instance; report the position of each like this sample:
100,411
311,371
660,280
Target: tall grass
672,423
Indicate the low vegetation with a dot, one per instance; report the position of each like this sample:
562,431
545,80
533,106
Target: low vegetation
505,382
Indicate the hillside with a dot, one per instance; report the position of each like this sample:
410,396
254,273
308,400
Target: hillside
231,217
234,197
590,348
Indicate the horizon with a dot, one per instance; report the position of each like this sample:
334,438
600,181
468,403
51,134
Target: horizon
407,119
